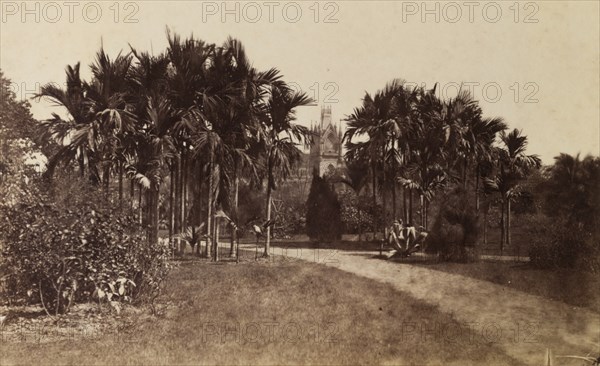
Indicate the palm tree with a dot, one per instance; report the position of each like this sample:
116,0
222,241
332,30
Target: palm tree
385,119
208,142
76,134
228,118
107,93
281,136
360,123
98,116
242,125
456,117
481,137
430,148
155,119
188,91
357,178
572,189
363,152
513,166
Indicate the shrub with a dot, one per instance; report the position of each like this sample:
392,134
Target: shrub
323,216
80,251
455,232
559,244
290,219
289,209
572,191
356,212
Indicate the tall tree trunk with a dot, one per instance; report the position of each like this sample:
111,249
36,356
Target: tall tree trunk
269,204
404,206
236,183
508,223
502,230
120,184
131,193
81,166
146,214
216,248
177,204
150,202
485,222
106,178
394,198
209,210
214,213
140,212
464,173
422,201
360,226
155,193
383,192
374,191
231,241
156,214
426,215
477,173
184,193
171,208
410,206
199,210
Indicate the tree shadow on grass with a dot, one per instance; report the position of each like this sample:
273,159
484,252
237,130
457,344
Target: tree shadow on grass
27,313
352,246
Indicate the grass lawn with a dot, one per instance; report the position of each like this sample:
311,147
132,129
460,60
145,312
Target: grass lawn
272,313
572,287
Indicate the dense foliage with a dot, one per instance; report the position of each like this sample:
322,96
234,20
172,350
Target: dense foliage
559,244
413,145
198,132
323,212
290,216
20,143
571,190
197,116
455,232
569,233
64,241
357,214
68,247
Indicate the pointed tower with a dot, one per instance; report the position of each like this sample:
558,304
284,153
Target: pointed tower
326,150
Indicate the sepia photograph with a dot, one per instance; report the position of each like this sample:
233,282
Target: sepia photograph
346,182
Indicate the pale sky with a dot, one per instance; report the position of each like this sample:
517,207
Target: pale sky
534,64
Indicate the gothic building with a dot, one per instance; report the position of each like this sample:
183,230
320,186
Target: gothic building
326,151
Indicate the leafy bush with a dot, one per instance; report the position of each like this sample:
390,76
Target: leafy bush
558,244
289,209
323,216
357,212
290,219
572,190
455,232
78,251
569,237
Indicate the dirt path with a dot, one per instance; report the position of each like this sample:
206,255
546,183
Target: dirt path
523,325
